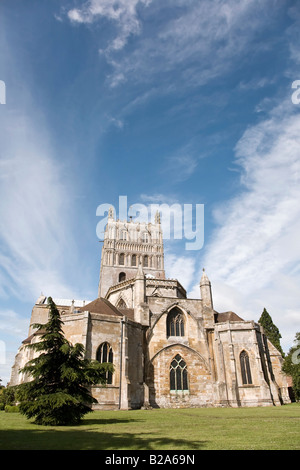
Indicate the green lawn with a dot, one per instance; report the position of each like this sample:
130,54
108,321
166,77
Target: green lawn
182,429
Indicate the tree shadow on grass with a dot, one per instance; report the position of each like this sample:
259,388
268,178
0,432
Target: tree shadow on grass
103,421
85,439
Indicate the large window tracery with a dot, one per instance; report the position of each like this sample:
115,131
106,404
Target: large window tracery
175,323
178,374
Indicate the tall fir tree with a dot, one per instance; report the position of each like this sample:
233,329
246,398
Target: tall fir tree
271,330
59,392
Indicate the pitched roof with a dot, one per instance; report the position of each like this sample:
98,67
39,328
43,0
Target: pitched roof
227,316
101,305
128,312
28,340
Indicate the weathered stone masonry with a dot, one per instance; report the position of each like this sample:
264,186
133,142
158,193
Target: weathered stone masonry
167,350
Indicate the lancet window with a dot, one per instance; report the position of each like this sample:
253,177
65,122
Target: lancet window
175,323
245,368
105,354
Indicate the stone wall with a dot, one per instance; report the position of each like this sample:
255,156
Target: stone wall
231,339
200,390
192,347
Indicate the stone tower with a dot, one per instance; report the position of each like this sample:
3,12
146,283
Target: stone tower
126,245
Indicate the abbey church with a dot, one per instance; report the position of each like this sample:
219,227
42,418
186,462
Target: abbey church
168,350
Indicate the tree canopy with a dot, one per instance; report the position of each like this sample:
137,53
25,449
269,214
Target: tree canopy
291,366
271,330
59,392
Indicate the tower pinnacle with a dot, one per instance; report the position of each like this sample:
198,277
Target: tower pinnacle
111,213
157,217
140,272
205,290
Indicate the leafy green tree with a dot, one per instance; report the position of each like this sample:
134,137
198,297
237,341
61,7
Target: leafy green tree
7,396
291,366
59,392
271,330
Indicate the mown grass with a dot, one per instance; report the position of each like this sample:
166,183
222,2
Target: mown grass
272,428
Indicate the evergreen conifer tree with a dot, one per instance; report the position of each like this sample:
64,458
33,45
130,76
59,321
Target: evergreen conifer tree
291,366
271,330
58,393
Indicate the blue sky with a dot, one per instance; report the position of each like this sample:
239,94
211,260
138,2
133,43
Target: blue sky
179,101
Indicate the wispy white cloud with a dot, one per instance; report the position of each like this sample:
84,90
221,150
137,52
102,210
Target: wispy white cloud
12,323
293,33
37,250
34,221
268,155
123,13
14,329
181,268
255,248
117,123
36,241
256,83
179,167
201,40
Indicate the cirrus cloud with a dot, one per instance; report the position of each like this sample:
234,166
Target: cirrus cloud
255,247
123,13
200,40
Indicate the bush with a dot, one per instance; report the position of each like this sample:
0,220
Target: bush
11,409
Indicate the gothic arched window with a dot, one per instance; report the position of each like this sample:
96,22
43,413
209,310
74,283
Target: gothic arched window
121,259
105,354
146,261
122,277
175,323
121,304
133,260
245,368
178,374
